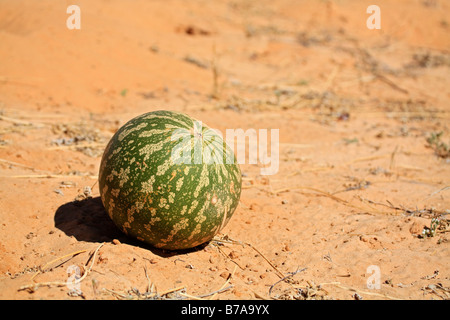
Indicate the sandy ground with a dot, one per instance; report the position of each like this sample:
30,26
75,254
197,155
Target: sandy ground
364,145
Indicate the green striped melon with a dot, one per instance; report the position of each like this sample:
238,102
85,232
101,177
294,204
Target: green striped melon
168,180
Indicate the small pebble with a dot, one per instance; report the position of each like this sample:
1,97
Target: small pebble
356,296
58,191
116,242
233,255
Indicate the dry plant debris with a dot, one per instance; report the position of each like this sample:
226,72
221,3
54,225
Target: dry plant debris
80,137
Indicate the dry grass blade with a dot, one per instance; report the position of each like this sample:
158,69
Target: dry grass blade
434,287
34,286
370,210
279,273
223,286
370,158
172,290
191,296
16,164
426,211
151,293
285,278
365,292
150,285
326,194
71,255
390,83
203,296
78,146
392,162
21,122
116,294
436,192
226,239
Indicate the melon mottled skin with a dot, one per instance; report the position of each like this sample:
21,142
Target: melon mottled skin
155,197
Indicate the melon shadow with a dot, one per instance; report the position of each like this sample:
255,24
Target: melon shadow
87,220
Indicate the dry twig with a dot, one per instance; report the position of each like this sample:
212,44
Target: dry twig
291,274
34,286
